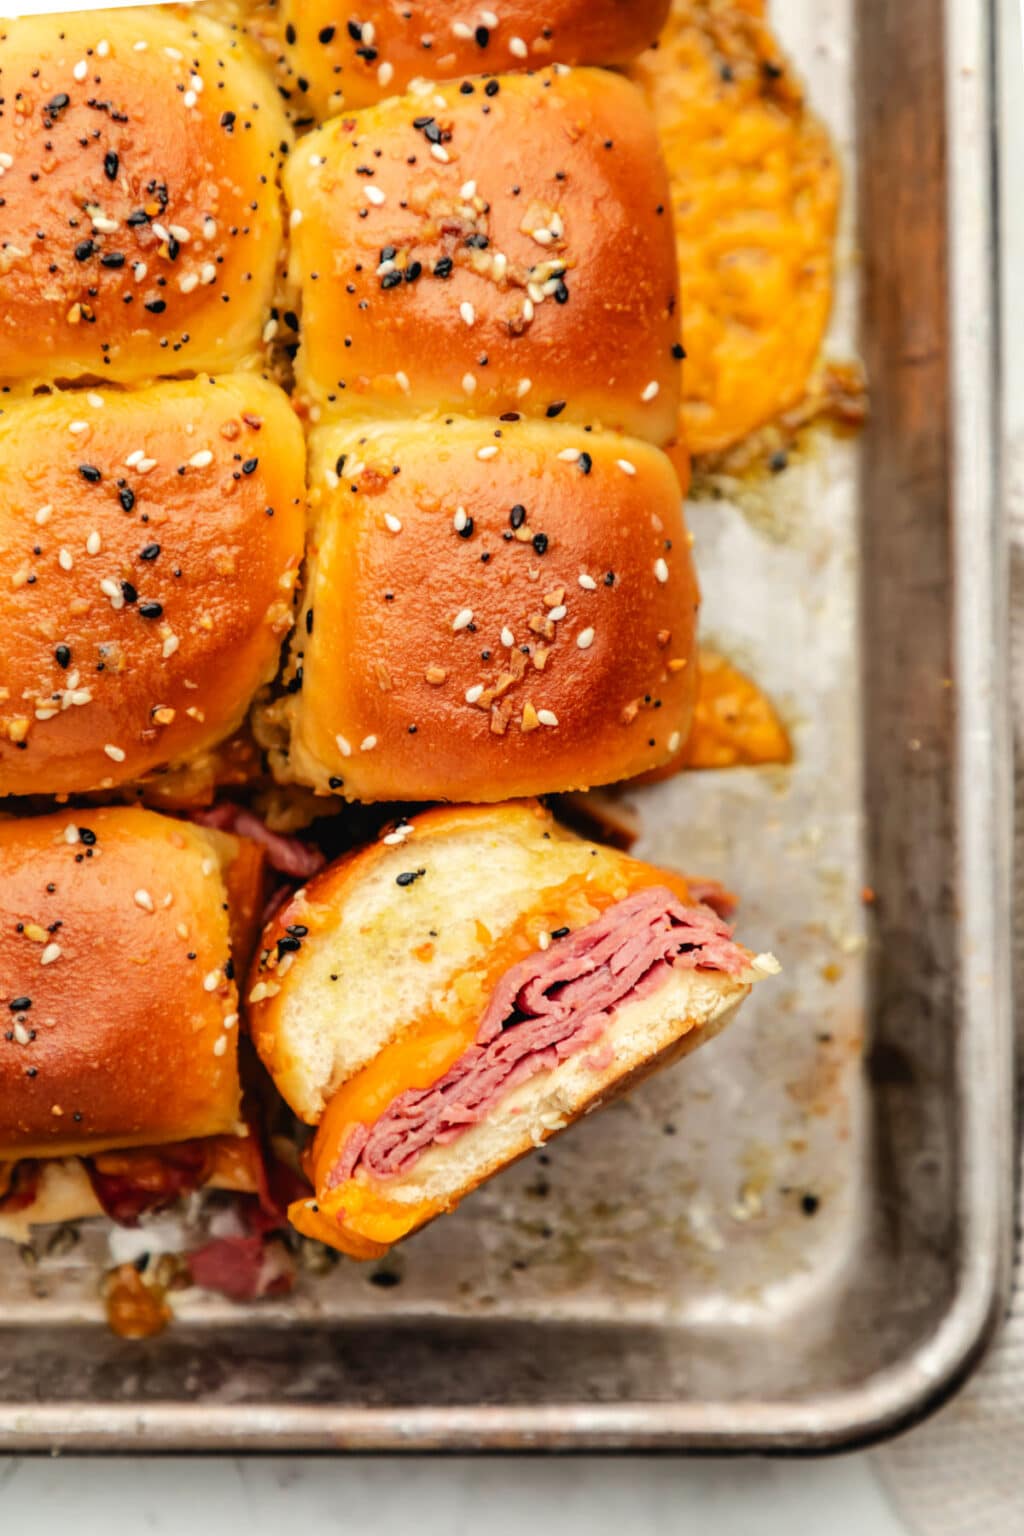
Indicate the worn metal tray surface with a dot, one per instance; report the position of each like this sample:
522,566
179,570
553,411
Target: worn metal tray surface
799,1238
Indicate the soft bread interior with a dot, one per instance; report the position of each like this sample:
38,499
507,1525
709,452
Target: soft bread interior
428,941
641,1036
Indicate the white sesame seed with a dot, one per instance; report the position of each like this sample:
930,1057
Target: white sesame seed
208,866
569,455
78,426
517,47
467,312
201,459
44,514
508,639
489,18
499,265
343,746
295,218
461,29
472,694
144,900
79,696
399,835
402,380
139,270
95,400
20,1033
460,519
6,160
440,153
587,582
180,233
93,543
51,953
527,309
375,196
462,618
173,53
71,834
190,98
140,47
220,1045
196,82
207,273
229,1020
489,452
116,754
626,467
102,48
269,330
64,560
650,391
368,743
80,70
209,228
170,645
160,230
675,741
385,74
661,570
188,281
392,523
542,236
547,717
523,387
211,981
557,612
133,458
369,33
469,383
585,639
145,465
468,190
544,941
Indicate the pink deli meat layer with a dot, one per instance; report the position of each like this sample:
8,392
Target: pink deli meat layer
551,1005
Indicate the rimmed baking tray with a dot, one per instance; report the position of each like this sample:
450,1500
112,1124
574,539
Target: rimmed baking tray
800,1239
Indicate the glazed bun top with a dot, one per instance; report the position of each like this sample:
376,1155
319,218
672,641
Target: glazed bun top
149,544
495,246
140,224
343,56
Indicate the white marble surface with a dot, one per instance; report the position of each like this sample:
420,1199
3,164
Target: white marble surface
640,1496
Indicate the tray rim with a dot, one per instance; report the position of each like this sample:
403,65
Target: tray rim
921,1380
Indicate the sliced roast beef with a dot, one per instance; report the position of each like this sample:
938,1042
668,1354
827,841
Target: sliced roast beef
141,1180
546,1008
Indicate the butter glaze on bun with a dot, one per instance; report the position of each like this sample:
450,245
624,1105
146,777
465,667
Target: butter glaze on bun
140,224
513,607
354,55
505,249
116,957
149,545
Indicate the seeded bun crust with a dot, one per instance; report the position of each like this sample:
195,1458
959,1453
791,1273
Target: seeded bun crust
501,245
116,960
141,220
144,589
516,608
353,55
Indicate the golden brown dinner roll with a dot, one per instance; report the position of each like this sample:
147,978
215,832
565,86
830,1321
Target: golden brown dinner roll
450,997
495,246
118,980
140,218
149,543
490,610
344,56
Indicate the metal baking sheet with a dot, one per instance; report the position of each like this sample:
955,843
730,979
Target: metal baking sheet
798,1239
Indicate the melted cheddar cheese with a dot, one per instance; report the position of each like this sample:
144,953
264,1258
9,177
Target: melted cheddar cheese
755,192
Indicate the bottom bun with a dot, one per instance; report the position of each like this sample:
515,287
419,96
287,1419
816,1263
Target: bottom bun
365,1216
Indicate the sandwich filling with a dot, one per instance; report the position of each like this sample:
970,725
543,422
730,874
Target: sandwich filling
546,1008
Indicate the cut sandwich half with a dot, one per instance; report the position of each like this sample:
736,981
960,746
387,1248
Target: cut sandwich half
449,998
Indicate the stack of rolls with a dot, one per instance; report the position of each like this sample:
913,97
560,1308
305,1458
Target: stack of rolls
487,560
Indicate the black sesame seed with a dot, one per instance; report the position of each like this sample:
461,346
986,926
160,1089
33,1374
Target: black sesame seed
517,517
128,592
555,408
19,1004
62,656
778,461
250,466
150,610
227,120
84,250
443,268
290,35
112,259
482,36
609,579
413,271
111,164
585,463
678,352
466,530
126,497
149,551
408,876
391,280
355,31
492,88
288,946
155,306
335,783
540,543
89,472
559,933
87,836
808,1203
326,34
